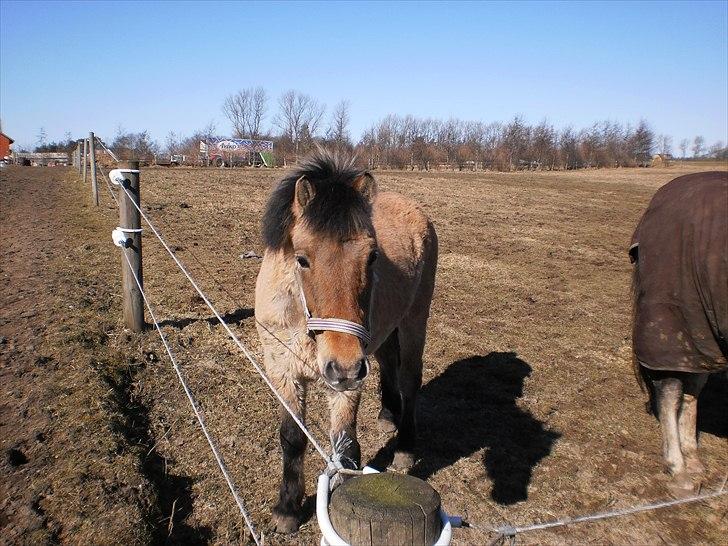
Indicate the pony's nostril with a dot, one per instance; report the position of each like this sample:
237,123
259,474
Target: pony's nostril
363,370
330,371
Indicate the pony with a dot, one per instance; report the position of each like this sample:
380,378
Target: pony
348,272
680,310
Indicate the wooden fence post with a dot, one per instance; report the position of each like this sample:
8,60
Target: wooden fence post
129,218
85,156
92,160
386,508
78,156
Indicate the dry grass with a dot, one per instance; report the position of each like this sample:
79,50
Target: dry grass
529,410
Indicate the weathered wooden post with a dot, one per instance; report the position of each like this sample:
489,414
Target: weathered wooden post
83,160
130,219
78,157
92,159
386,508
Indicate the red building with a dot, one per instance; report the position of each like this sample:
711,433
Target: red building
5,142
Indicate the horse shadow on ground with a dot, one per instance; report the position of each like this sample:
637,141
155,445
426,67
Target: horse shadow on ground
471,406
713,406
236,316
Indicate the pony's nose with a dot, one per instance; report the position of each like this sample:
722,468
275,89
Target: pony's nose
335,373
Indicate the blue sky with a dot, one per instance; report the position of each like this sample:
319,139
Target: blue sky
167,66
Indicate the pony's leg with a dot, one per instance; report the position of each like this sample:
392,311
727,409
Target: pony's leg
286,513
388,358
343,407
669,394
688,422
410,381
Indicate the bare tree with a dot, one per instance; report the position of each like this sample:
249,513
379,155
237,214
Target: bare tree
299,117
41,137
698,146
716,150
246,110
173,143
664,143
338,131
684,143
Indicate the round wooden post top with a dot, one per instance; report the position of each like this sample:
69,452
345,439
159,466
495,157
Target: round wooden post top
386,508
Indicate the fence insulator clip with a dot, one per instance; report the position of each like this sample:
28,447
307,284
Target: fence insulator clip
121,238
117,175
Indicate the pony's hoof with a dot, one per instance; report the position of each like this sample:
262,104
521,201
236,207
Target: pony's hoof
403,461
285,524
386,421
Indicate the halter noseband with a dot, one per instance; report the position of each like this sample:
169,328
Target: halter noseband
332,324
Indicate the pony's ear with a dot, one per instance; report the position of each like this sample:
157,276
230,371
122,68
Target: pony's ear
366,185
304,192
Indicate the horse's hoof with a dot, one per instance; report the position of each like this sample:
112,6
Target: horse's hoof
403,461
386,421
681,485
285,524
694,467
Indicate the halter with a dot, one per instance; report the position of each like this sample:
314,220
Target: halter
331,324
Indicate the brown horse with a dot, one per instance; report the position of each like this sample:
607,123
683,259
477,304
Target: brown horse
680,293
348,272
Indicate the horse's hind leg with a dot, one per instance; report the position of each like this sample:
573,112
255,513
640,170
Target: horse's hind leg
388,358
692,386
668,391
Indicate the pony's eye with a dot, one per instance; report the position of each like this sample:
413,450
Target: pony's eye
372,257
303,262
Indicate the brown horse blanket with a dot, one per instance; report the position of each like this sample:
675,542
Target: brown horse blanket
680,286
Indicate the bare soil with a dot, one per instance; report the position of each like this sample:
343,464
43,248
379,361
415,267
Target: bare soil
529,409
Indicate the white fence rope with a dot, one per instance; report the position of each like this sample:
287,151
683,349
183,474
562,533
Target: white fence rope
232,335
196,409
510,531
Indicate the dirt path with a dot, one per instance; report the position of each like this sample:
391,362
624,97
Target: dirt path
71,471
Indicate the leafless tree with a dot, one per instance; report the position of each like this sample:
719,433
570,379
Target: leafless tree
664,143
173,143
698,146
684,143
338,132
299,117
246,110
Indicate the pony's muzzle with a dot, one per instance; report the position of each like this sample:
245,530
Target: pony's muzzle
347,378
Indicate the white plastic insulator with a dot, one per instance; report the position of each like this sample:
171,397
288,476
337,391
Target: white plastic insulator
119,237
117,175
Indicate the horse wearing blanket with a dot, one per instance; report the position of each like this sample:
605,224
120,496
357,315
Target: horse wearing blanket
680,292
348,272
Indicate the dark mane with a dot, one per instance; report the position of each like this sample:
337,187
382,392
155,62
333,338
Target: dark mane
337,209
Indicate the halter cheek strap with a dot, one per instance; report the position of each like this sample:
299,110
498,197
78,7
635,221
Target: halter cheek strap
332,324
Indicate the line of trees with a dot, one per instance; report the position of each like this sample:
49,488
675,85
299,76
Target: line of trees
299,123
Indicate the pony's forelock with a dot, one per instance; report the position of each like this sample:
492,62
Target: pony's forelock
337,208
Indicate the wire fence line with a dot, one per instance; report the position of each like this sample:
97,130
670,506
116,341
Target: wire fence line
108,183
196,409
509,531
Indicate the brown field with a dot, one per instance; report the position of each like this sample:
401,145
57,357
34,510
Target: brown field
529,410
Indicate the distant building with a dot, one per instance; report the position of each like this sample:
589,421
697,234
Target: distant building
5,142
41,159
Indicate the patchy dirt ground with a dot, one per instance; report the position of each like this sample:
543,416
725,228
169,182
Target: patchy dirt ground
529,409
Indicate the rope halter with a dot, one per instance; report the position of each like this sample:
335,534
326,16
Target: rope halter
332,324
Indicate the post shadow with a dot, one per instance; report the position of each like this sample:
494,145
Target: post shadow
236,316
471,406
